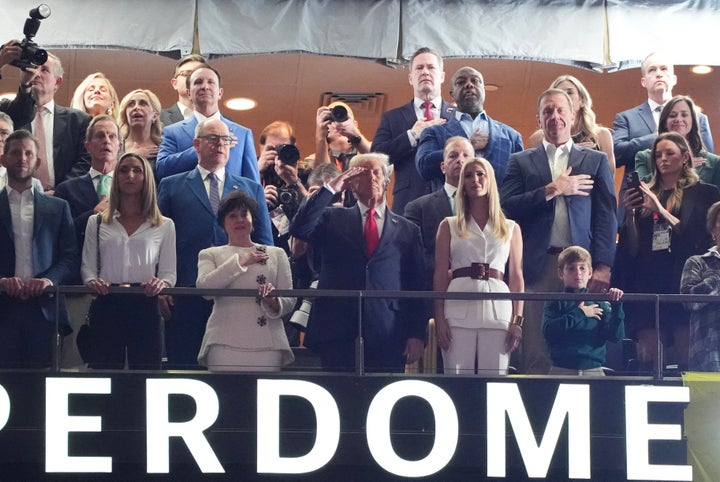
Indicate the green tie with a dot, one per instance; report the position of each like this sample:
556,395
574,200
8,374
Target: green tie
103,186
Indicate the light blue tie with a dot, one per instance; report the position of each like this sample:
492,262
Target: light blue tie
214,192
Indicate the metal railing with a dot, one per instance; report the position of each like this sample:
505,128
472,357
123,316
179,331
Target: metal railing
656,299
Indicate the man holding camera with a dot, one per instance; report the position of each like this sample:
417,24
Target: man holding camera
22,108
282,178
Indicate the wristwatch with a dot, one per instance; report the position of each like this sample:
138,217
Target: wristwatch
355,140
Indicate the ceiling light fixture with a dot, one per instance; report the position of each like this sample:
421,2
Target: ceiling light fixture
491,87
701,69
241,103
8,95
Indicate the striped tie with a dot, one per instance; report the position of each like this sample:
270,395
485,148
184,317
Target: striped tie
214,192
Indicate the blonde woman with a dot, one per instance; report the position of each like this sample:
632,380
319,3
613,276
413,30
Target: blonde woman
135,246
471,252
586,132
139,121
95,95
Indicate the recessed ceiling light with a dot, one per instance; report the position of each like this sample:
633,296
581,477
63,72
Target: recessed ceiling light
491,87
701,69
8,95
240,103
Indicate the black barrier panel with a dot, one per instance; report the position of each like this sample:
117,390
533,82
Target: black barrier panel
229,440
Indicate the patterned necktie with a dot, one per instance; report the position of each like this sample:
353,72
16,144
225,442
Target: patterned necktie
103,186
43,171
371,232
214,195
428,111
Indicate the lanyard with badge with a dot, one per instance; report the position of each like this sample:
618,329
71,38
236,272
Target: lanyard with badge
662,233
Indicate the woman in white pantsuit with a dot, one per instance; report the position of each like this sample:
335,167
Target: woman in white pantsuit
471,252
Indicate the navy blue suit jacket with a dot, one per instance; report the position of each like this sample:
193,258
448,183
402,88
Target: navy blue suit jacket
634,130
503,141
396,264
177,153
593,223
183,199
427,212
391,138
82,197
70,158
54,252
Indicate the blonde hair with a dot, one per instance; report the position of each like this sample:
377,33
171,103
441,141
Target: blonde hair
155,128
462,200
586,116
78,98
150,209
688,176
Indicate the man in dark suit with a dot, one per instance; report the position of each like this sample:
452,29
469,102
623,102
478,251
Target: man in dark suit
635,129
37,236
88,194
561,195
183,108
491,139
62,130
177,152
364,247
186,199
400,128
427,211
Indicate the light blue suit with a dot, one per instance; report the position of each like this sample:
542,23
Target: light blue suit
177,153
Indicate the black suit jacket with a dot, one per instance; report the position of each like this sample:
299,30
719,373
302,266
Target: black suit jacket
21,109
81,196
427,212
171,115
70,158
391,138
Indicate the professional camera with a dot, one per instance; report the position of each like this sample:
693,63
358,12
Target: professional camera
339,114
288,196
288,154
31,53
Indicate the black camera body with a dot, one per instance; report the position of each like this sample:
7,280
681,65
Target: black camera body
288,154
32,54
287,196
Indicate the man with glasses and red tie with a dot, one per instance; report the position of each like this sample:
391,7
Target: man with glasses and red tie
400,128
183,108
177,152
191,200
364,247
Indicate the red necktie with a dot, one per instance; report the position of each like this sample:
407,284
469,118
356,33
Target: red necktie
428,111
371,232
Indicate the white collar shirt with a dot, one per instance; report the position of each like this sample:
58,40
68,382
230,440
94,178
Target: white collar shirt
22,205
558,157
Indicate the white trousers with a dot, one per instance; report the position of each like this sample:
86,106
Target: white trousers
485,345
221,358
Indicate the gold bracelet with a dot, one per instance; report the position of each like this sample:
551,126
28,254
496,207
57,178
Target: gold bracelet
518,320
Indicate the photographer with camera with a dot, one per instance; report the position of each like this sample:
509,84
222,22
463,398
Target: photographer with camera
22,108
282,178
337,136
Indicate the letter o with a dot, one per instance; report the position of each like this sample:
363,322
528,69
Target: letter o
4,407
378,428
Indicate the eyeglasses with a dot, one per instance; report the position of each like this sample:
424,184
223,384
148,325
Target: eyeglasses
216,139
183,73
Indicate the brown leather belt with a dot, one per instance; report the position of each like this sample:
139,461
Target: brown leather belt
478,271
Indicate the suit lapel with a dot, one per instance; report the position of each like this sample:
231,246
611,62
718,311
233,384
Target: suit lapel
646,115
408,113
575,158
195,185
441,203
539,161
389,229
447,111
88,193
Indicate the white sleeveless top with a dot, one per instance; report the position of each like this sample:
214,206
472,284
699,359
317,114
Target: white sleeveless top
480,246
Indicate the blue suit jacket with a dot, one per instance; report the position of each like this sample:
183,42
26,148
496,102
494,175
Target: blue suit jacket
427,212
80,194
391,138
396,264
183,199
177,153
504,140
593,224
54,252
634,130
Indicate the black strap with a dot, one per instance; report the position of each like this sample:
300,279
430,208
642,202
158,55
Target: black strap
97,242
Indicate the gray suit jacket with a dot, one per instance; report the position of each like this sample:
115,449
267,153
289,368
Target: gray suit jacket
171,115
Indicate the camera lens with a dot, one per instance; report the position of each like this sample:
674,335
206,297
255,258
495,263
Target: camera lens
339,113
39,57
288,154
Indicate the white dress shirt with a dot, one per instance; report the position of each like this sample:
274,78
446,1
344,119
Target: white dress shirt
558,159
133,258
219,174
22,206
379,216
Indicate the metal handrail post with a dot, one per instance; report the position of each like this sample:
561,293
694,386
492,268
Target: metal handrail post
359,341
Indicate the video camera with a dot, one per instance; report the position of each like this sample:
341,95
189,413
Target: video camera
31,53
